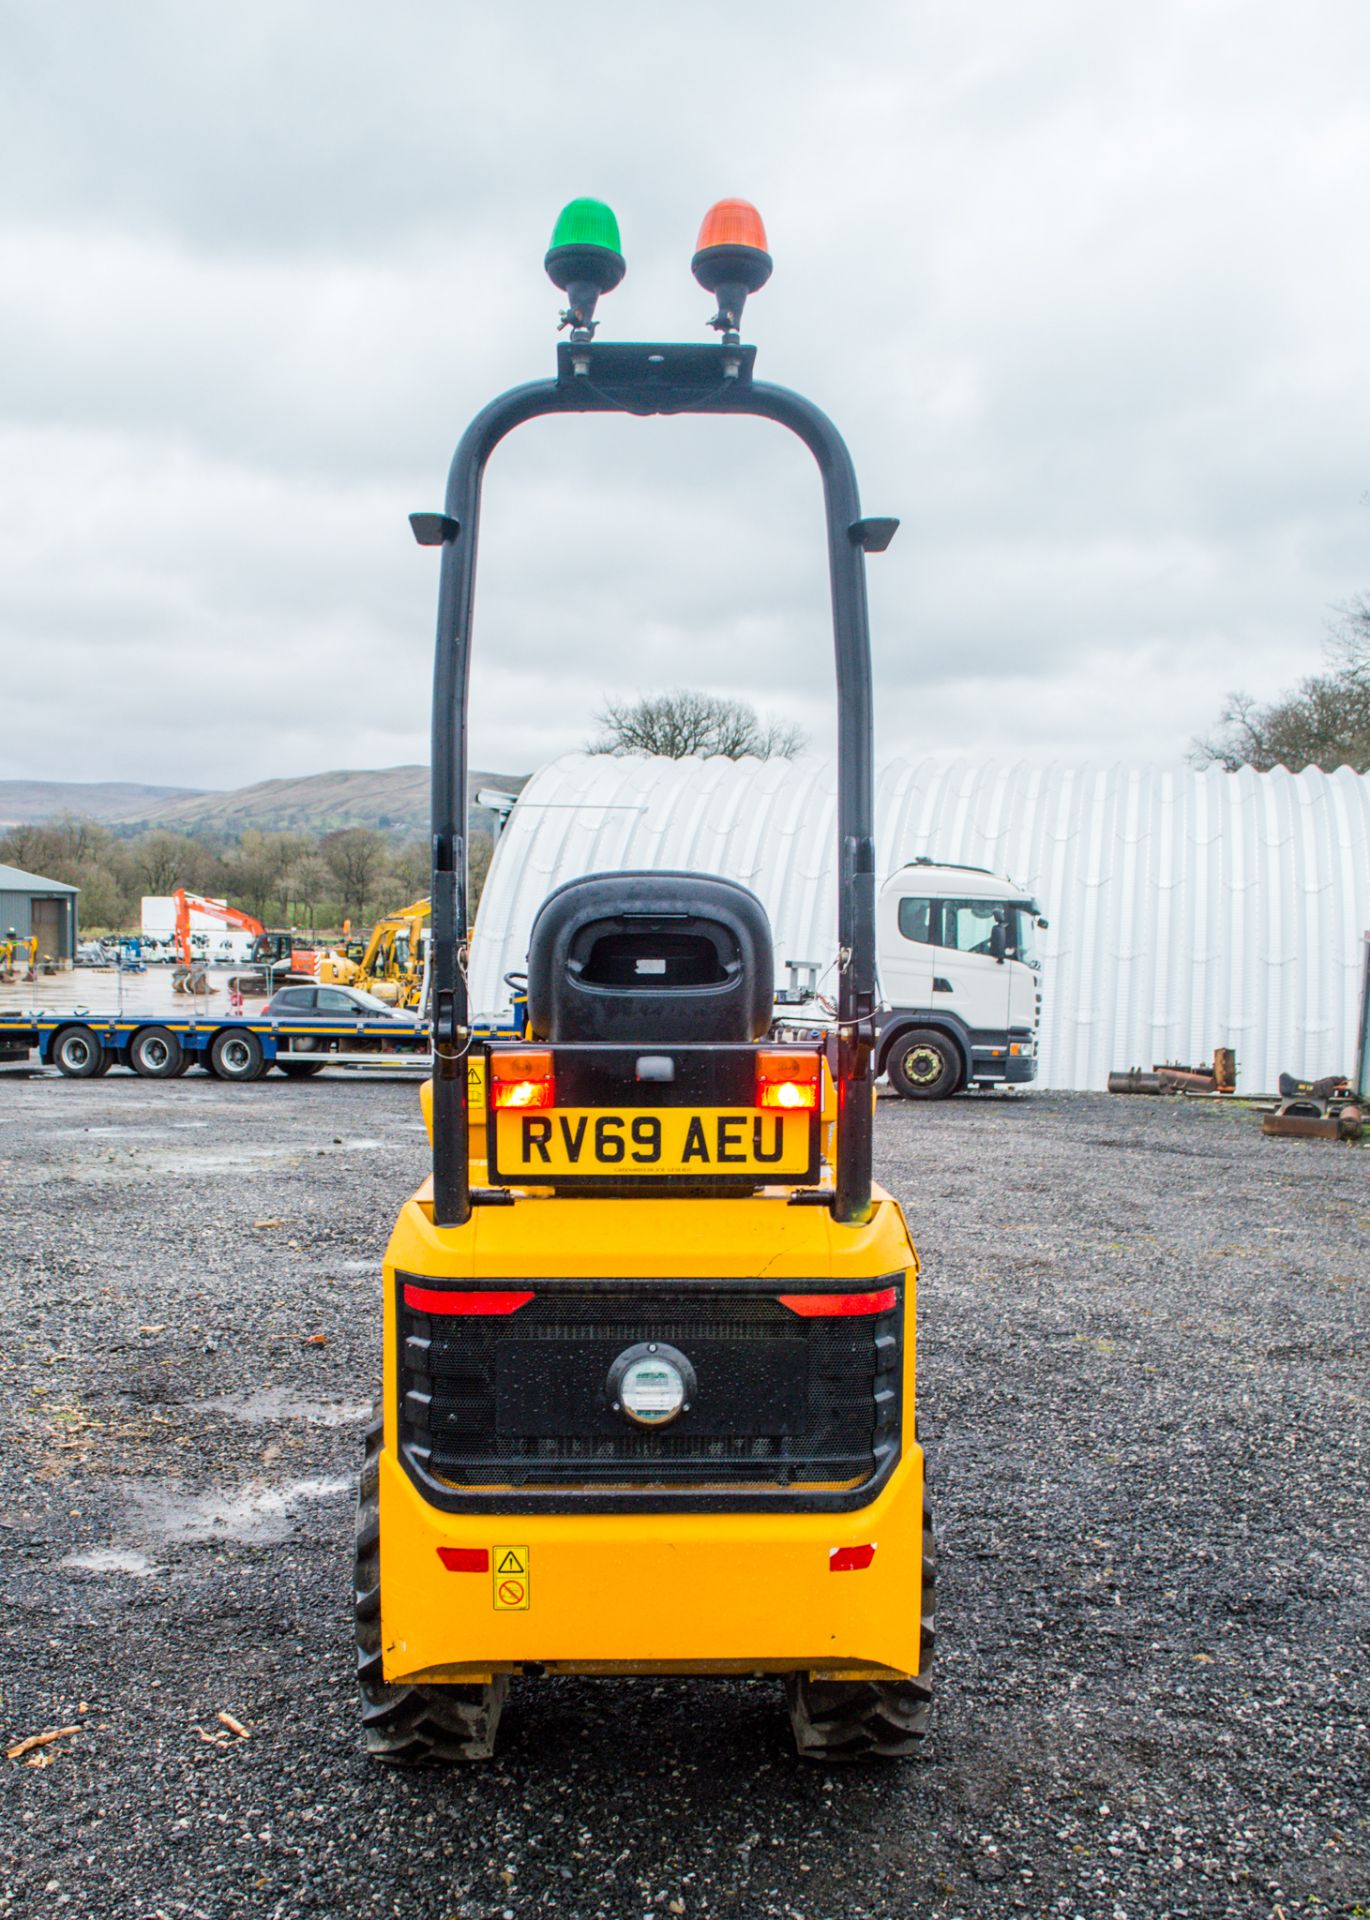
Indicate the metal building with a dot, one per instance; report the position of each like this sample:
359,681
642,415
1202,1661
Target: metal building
29,904
1188,910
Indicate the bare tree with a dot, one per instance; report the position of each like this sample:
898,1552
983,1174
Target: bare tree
280,854
162,860
76,837
683,722
1324,722
310,880
411,865
356,856
251,873
25,844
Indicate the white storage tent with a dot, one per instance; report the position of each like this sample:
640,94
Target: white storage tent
1188,910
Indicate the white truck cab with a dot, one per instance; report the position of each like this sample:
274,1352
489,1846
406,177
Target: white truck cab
959,978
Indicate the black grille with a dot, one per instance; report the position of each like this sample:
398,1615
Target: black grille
520,1400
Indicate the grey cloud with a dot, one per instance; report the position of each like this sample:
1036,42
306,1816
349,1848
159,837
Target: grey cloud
1085,292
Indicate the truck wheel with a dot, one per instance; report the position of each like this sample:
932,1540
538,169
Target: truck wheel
77,1053
237,1055
843,1720
924,1065
155,1053
300,1069
409,1726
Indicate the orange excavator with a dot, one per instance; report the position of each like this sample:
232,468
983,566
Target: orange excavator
190,975
275,951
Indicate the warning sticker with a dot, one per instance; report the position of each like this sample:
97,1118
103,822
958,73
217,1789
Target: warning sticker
509,1574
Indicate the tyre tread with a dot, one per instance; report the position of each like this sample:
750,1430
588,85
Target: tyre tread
843,1721
409,1725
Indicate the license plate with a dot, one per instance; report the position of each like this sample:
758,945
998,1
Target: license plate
598,1143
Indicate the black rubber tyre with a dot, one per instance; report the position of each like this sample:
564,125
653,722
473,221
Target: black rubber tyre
853,1720
237,1055
78,1054
300,1069
409,1726
924,1064
155,1053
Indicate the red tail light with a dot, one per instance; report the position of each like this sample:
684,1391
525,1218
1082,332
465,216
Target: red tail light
465,1559
787,1077
835,1306
447,1300
522,1079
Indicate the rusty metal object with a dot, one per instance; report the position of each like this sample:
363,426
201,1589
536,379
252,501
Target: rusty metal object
1186,1080
1300,1126
1163,1079
1172,1076
1134,1080
1305,1119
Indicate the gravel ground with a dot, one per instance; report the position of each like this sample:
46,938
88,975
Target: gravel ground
1144,1388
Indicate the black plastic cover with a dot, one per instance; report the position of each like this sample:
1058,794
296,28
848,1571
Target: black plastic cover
512,1409
646,959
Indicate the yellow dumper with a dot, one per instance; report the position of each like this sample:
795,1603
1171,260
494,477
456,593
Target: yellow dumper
648,1397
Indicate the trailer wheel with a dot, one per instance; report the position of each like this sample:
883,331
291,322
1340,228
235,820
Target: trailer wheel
409,1726
924,1064
237,1055
155,1053
845,1720
78,1054
300,1069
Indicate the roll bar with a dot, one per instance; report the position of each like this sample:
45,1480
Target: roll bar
644,378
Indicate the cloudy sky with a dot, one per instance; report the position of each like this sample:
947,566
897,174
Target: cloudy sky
1086,287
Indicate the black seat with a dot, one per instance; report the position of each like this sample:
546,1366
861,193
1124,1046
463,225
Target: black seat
651,957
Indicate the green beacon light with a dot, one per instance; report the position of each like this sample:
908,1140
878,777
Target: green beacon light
584,261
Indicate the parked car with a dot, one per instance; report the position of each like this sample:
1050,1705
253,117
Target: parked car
309,1003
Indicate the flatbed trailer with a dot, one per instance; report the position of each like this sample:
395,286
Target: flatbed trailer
82,1044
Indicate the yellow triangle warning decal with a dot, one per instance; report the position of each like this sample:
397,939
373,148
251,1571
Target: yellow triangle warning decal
511,1560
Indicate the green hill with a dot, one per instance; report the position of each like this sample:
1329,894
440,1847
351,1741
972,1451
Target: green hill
395,799
29,802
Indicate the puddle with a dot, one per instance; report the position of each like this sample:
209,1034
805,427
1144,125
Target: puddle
156,1162
173,1161
280,1403
112,1560
108,1133
256,1514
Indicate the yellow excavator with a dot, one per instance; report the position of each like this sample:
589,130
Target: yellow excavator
394,964
18,956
